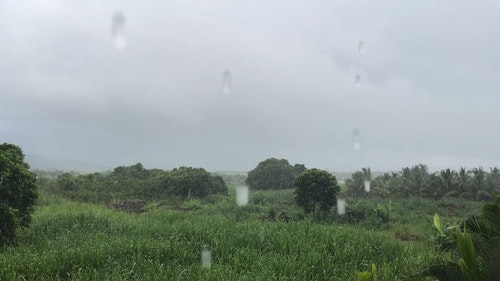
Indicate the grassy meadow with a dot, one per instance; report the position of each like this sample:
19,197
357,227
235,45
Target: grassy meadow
69,240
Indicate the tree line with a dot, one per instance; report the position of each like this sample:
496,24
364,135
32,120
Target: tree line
137,182
473,184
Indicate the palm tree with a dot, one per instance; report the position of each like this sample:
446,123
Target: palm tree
443,182
367,173
493,180
415,180
464,180
356,183
478,180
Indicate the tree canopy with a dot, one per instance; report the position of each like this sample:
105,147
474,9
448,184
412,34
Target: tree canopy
274,173
17,191
137,182
316,190
476,183
194,182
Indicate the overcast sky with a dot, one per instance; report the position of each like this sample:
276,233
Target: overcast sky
119,82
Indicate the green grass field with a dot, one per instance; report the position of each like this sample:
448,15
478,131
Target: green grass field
79,241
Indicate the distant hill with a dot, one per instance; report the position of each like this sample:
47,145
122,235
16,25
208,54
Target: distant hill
50,163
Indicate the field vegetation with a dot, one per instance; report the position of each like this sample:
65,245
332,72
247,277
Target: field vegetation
138,224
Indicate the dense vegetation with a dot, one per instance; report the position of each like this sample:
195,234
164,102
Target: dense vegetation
474,184
471,250
186,213
17,192
273,173
71,240
136,182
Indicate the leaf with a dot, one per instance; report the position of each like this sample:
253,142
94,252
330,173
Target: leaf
468,261
491,212
440,270
364,276
437,224
374,271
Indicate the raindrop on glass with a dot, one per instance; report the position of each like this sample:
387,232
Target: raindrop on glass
340,206
242,195
357,80
118,30
206,258
367,186
361,47
356,139
226,86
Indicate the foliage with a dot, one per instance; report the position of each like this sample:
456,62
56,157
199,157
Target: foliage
367,275
356,184
232,178
383,212
17,192
316,191
193,182
477,244
273,173
137,182
475,184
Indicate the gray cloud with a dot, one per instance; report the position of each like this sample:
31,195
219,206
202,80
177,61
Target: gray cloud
428,94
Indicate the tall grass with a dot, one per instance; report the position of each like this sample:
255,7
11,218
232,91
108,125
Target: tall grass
78,241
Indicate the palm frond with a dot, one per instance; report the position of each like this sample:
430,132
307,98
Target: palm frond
491,212
441,270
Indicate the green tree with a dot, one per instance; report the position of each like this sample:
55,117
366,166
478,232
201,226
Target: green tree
393,184
478,181
17,192
415,180
273,173
299,169
493,180
135,171
464,180
194,182
356,184
316,191
443,182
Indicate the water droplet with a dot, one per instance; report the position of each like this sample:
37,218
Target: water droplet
356,139
242,195
340,206
357,80
118,30
226,86
361,47
206,258
367,186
